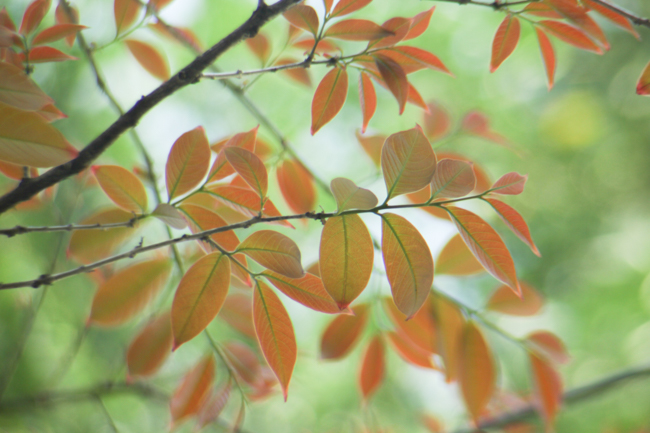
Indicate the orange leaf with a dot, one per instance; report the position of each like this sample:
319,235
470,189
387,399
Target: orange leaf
450,324
275,334
456,259
45,55
296,185
345,258
122,186
344,7
27,139
486,245
187,163
373,367
237,311
12,171
540,9
372,146
193,390
419,24
56,32
50,113
506,302
299,75
244,201
221,168
432,424
613,16
413,59
505,41
476,371
33,16
19,90
128,292
250,167
408,162
126,12
452,179
436,122
151,347
214,404
515,222
548,388
343,332
62,18
408,262
87,246
394,77
328,5
356,30
274,251
349,196
410,352
259,45
577,14
367,99
548,55
419,330
643,85
415,98
398,27
199,296
303,17
307,290
571,35
549,346
329,98
149,58
509,184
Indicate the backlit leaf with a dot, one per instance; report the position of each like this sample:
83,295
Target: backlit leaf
128,292
616,18
413,59
419,329
250,167
407,161
187,163
450,325
372,145
415,98
62,17
300,75
275,334
506,302
126,12
324,46
12,171
244,361
398,27
170,216
274,251
477,123
373,367
344,7
122,186
548,345
505,41
193,390
577,14
303,17
199,296
237,311
50,113
394,77
540,9
151,347
419,24
244,201
409,352
548,387
87,246
221,168
421,197
453,179
149,58
510,184
33,16
548,55
343,332
408,262
308,290
56,32
476,372
19,90
367,99
349,196
515,222
437,122
260,46
46,55
571,35
329,98
486,245
296,186
214,404
356,30
456,259
643,85
345,258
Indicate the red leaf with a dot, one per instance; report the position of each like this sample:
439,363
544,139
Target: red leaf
19,90
126,12
296,186
419,24
548,387
304,17
549,346
356,30
63,18
515,222
214,405
193,390
643,85
505,41
56,32
307,290
5,20
398,27
571,35
577,14
244,201
149,58
237,311
394,77
613,16
329,98
122,187
540,9
477,123
476,371
33,16
343,332
151,347
324,46
367,99
548,55
412,59
373,367
344,7
415,98
47,54
509,184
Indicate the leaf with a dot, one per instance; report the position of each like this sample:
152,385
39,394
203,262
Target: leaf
540,9
274,251
214,405
476,370
577,14
367,99
12,171
616,18
415,98
33,16
643,85
343,332
122,186
303,17
87,246
47,54
307,290
419,330
410,352
505,302
128,292
244,201
345,258
19,90
408,162
62,17
151,347
324,46
296,186
394,77
221,168
26,139
329,98
515,222
373,367
349,196
549,346
344,7
126,12
170,216
437,122
260,46
398,28
432,424
509,184
486,245
199,296
571,35
453,179
505,41
56,32
250,167
5,20
456,259
187,163
275,334
419,24
149,58
477,123
356,30
237,311
299,75
548,55
413,59
372,145
244,361
450,325
50,113
328,5
548,388
193,390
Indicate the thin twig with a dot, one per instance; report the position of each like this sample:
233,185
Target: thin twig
19,230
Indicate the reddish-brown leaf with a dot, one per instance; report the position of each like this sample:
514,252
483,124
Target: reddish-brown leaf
515,222
151,347
367,99
33,16
577,14
149,58
398,28
453,179
548,345
476,371
328,5
300,75
613,16
5,20
12,171
345,258
394,77
450,324
188,162
46,55
56,32
419,329
540,9
275,334
344,7
413,59
373,367
87,246
343,332
349,196
274,251
510,184
329,98
324,46
50,113
193,390
548,388
505,40
486,245
126,12
419,24
296,186
548,55
643,85
62,17
221,168
250,167
506,302
415,98
304,17
456,259
356,30
409,352
260,46
122,186
571,35
244,201
19,90
307,290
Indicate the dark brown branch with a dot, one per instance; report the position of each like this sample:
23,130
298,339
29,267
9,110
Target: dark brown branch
188,75
19,230
639,21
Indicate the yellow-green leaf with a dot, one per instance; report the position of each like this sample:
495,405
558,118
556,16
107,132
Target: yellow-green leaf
188,162
274,251
122,186
349,196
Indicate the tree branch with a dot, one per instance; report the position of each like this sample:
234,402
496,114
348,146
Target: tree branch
188,75
19,230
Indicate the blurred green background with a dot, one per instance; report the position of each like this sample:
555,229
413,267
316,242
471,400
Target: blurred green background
584,146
